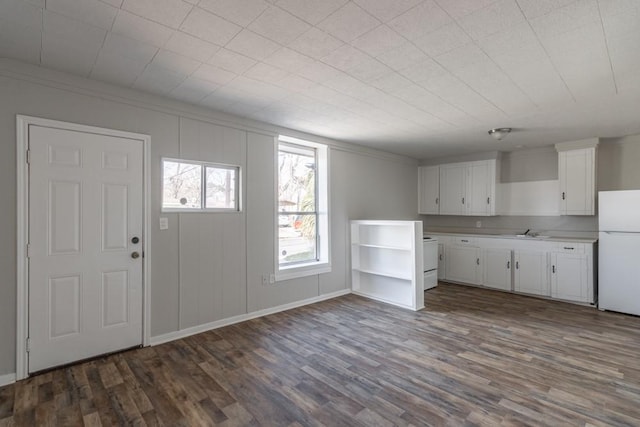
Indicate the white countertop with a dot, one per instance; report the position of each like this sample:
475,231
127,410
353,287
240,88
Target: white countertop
515,237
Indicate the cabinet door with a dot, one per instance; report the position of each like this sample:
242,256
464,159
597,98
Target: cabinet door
462,264
576,170
441,262
530,274
429,190
497,268
569,277
453,181
481,187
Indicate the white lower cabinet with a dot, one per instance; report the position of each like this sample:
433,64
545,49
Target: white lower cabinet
530,274
550,268
462,264
441,262
569,278
497,268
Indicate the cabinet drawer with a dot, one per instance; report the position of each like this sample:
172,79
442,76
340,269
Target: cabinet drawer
465,241
570,248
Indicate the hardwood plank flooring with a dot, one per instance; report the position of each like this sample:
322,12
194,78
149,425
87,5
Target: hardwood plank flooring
472,357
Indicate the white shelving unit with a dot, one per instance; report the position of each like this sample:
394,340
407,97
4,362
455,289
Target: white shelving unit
386,262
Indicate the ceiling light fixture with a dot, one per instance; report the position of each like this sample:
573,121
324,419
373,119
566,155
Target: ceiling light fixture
499,133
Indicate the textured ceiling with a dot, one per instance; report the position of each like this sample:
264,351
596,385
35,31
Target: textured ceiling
418,77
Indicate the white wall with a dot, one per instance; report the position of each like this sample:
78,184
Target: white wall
205,267
618,160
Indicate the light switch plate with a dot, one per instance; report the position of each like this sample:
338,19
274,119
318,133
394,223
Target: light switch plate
164,223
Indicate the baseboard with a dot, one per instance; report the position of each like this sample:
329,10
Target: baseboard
7,379
172,336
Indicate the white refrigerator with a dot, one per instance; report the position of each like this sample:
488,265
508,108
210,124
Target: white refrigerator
619,251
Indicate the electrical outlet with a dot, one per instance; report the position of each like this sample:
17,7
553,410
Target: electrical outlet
478,224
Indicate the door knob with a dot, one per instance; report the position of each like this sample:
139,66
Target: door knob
135,255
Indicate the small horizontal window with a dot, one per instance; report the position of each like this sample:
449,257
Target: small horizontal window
197,186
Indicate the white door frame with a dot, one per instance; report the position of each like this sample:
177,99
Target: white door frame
22,229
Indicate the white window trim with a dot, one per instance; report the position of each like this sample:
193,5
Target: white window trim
202,209
323,265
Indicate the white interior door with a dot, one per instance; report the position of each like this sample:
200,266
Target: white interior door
85,229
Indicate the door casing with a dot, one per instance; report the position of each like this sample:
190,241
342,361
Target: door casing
22,228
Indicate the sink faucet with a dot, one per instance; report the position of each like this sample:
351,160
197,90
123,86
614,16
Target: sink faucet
527,232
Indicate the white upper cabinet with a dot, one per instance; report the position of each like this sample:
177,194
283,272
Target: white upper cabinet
429,190
453,189
468,188
577,176
481,188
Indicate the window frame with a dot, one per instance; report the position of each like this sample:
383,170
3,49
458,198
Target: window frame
322,263
203,186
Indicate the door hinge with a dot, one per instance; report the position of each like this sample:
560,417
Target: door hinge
28,345
28,250
28,156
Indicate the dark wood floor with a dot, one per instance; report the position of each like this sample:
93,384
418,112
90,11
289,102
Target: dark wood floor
472,357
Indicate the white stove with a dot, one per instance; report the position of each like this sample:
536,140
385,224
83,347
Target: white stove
430,262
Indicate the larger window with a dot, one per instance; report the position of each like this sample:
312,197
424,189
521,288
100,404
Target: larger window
302,208
196,186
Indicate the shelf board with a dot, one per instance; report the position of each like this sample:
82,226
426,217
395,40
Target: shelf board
381,273
395,248
387,300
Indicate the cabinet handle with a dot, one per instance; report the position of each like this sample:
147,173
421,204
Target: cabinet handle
478,261
488,200
563,196
437,200
440,257
508,265
553,269
517,265
569,248
463,200
463,240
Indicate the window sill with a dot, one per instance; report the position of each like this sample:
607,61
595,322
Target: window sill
190,211
302,270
